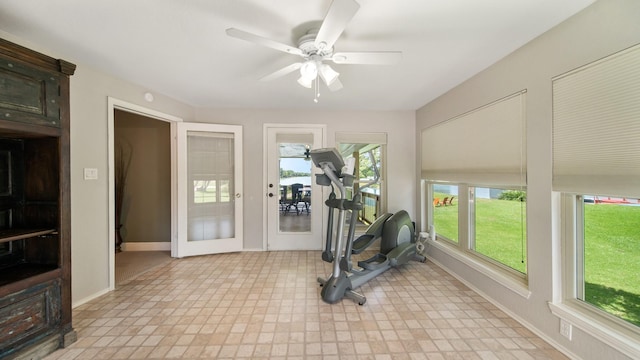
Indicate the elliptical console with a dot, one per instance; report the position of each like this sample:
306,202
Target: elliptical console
395,231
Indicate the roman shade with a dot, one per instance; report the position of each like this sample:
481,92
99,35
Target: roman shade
485,146
596,127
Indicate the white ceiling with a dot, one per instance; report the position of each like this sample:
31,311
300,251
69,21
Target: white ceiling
179,47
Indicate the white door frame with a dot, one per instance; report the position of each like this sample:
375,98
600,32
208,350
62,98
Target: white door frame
265,175
116,104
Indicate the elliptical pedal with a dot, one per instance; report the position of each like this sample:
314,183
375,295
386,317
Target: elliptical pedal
375,262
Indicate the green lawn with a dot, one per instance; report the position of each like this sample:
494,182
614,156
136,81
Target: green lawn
612,248
498,229
612,259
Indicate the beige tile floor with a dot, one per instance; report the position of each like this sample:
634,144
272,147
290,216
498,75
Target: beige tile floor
266,305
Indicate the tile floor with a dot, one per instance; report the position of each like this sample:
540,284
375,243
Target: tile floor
266,305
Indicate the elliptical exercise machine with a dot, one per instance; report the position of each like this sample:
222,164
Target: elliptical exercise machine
395,231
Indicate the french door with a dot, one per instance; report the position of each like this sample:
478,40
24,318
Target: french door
294,203
209,187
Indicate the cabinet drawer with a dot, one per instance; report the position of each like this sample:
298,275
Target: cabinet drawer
28,314
28,95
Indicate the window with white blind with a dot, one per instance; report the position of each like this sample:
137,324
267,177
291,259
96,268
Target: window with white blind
479,160
596,169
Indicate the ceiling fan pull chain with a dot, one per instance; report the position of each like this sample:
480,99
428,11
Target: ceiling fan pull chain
315,100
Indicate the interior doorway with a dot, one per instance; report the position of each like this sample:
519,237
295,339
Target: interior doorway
113,105
142,166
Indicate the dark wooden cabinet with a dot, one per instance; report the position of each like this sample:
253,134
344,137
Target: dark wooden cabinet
35,234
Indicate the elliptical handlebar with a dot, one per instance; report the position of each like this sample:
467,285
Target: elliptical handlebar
331,163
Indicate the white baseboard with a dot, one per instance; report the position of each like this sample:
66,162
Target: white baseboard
252,249
146,246
75,304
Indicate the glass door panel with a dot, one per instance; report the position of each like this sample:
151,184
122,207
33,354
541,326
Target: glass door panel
209,189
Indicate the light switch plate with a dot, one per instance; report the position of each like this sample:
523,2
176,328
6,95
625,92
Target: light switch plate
90,174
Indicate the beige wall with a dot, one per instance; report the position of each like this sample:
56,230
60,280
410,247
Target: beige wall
146,215
604,28
89,148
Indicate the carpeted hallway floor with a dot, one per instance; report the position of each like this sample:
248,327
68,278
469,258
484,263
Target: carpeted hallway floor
130,264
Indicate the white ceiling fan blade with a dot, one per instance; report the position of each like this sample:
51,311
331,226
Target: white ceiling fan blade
282,72
335,85
240,34
368,58
339,14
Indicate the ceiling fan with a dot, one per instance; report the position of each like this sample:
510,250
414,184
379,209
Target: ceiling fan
316,46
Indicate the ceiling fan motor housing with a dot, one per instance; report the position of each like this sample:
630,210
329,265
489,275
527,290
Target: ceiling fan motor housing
307,43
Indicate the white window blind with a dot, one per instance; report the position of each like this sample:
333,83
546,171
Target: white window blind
485,146
596,127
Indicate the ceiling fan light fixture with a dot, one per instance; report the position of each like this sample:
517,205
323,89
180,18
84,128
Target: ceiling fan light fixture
328,74
305,82
309,70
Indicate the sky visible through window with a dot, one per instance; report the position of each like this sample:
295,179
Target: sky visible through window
296,164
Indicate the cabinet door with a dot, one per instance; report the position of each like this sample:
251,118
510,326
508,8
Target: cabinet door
30,313
28,94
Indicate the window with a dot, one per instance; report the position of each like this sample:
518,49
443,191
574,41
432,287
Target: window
610,244
365,171
361,146
445,211
500,226
211,191
596,167
204,191
494,231
476,193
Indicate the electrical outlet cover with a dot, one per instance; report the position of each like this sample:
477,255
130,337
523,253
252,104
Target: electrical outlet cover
565,329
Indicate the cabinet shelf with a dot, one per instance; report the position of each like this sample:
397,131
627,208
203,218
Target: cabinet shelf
7,235
23,271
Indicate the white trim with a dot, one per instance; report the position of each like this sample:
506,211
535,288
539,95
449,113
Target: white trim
146,246
507,311
252,250
112,105
509,282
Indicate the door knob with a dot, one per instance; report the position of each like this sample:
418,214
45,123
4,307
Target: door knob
270,194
